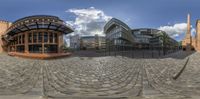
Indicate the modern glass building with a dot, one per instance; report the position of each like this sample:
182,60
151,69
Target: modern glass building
152,38
39,34
120,37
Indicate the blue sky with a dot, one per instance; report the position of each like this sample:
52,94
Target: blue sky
169,15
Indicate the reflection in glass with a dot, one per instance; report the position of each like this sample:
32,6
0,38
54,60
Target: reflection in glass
45,37
55,38
35,48
40,37
19,39
34,37
30,37
51,37
50,48
20,48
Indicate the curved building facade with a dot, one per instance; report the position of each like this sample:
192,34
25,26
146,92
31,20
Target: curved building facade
118,34
120,37
36,35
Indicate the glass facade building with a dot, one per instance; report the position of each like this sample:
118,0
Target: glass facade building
120,37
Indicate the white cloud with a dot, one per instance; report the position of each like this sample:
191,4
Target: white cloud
175,30
89,21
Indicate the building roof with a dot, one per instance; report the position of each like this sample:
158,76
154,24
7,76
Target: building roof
114,22
39,22
4,21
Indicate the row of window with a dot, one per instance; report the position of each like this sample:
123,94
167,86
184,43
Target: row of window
113,31
19,39
47,48
37,48
38,37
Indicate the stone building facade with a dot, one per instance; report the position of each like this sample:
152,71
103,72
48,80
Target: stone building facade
4,25
191,43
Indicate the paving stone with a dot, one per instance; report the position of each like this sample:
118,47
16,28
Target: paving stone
100,76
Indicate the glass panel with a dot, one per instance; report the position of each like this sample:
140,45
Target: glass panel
35,48
30,37
16,39
45,37
43,25
23,37
40,38
20,48
34,37
53,27
55,37
51,37
19,39
50,49
34,26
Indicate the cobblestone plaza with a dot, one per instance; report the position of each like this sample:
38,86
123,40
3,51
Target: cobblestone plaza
175,76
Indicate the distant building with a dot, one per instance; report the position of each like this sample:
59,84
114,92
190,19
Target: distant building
100,42
87,42
148,38
120,37
75,42
92,42
191,43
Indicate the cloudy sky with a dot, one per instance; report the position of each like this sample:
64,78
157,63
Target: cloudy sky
88,17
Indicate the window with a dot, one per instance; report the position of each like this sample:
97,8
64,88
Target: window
35,48
50,49
40,37
20,48
34,37
30,37
55,38
20,39
45,37
23,37
16,39
51,37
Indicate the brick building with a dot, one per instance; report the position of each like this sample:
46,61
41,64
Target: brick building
39,36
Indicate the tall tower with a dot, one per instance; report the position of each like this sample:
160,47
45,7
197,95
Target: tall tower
187,42
188,34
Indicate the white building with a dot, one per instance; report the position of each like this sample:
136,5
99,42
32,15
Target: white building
75,42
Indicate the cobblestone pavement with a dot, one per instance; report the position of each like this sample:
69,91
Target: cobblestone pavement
101,77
